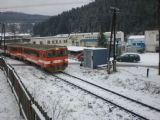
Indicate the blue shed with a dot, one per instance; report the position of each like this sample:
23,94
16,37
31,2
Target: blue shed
94,57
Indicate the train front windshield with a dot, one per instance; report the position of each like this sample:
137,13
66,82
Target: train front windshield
55,53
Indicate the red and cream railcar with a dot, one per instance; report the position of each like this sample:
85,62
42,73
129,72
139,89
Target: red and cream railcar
51,58
14,51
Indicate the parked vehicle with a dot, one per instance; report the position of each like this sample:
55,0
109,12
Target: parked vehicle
80,57
128,57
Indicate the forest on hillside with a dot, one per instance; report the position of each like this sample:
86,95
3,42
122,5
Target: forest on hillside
15,17
20,21
133,17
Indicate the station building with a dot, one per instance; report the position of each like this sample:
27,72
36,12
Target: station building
76,39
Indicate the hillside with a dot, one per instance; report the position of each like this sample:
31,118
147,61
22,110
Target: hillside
134,16
14,17
22,21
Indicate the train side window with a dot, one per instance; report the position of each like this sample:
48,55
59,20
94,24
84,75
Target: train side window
51,53
62,52
31,52
13,49
42,55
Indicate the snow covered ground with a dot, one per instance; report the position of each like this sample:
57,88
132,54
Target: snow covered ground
65,102
147,59
8,106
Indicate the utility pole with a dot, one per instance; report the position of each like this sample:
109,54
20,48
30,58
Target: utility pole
113,31
1,37
110,45
158,24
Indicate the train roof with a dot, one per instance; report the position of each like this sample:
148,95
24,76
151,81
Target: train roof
36,46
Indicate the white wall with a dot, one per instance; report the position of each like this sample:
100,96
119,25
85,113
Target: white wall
151,40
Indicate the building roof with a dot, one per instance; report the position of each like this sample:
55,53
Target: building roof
136,37
76,48
93,48
8,34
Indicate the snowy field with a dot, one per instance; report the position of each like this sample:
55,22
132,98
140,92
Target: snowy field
8,106
147,60
65,102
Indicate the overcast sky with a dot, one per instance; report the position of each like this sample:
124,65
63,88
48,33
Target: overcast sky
43,7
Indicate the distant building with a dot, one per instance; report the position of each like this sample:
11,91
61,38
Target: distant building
89,42
152,40
75,39
15,38
50,40
135,42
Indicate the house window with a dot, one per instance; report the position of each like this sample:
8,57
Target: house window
48,42
139,44
52,42
56,41
65,41
134,44
41,43
59,41
34,42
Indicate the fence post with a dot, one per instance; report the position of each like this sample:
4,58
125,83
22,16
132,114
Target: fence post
147,72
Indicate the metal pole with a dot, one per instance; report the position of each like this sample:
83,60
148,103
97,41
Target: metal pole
158,24
114,45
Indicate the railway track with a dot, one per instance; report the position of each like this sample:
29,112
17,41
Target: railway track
143,112
130,105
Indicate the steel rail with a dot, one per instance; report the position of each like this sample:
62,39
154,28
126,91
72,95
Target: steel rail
121,107
105,89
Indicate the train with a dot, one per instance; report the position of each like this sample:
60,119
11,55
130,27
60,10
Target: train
49,57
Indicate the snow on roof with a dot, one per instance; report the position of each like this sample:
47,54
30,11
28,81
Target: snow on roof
23,34
93,48
136,37
79,48
62,35
75,48
8,34
130,53
90,33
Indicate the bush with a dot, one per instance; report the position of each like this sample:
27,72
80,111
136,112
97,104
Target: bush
141,50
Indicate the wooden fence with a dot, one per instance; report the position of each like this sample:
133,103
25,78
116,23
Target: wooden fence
29,108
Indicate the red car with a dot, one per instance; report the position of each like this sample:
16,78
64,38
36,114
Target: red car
80,57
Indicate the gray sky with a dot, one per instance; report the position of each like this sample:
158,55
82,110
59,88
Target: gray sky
44,7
